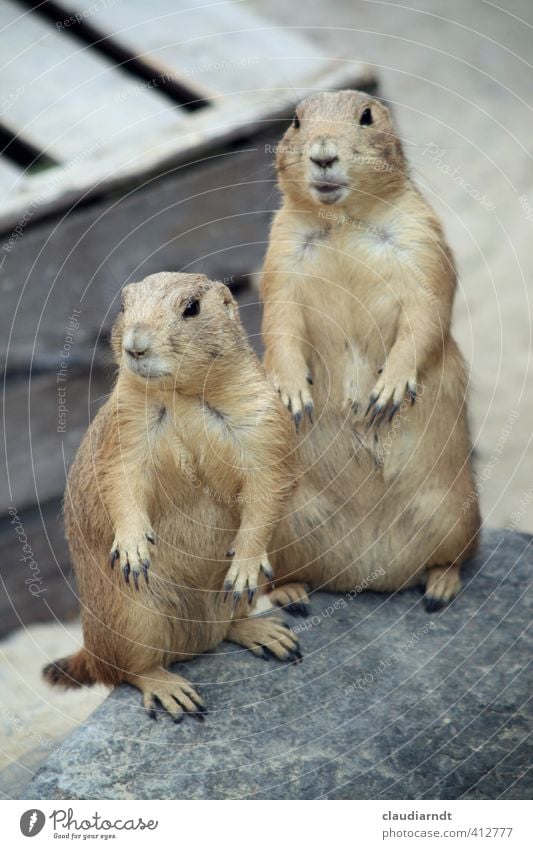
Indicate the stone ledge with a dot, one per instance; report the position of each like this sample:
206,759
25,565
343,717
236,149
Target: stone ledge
389,703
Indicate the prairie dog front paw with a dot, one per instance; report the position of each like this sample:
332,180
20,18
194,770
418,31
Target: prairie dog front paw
389,393
244,574
295,394
131,549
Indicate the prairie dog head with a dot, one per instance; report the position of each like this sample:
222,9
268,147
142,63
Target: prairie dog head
172,328
340,148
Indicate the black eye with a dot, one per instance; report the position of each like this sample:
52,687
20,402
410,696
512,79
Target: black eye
296,123
192,308
366,117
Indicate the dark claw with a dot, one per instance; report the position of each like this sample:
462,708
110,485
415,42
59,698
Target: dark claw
297,420
433,604
394,410
268,653
297,608
373,399
228,586
146,565
251,595
150,538
265,654
230,553
377,412
380,370
152,713
267,572
136,574
179,718
127,570
309,407
155,702
197,715
383,419
236,598
203,709
296,656
309,378
412,394
113,556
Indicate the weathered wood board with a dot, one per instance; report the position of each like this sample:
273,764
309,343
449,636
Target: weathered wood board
47,417
10,177
72,103
46,569
110,124
220,51
213,217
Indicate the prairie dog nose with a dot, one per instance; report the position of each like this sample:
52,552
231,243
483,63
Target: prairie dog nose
323,153
136,340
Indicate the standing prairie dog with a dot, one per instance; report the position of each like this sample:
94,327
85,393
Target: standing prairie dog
358,285
189,458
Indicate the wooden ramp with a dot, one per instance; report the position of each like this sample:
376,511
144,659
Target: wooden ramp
100,93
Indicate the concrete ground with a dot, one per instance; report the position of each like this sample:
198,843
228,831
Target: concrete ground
458,79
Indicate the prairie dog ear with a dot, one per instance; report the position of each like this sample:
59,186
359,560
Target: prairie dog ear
229,302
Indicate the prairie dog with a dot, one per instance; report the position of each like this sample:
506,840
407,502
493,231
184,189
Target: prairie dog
358,285
189,458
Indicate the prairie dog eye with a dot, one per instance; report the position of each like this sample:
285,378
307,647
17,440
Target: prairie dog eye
296,123
366,117
192,308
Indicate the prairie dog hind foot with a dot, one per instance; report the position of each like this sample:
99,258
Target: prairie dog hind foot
163,691
442,585
266,637
293,598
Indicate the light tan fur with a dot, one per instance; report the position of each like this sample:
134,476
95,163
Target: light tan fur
358,285
192,455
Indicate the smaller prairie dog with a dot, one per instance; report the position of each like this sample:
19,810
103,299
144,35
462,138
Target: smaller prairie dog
358,286
189,459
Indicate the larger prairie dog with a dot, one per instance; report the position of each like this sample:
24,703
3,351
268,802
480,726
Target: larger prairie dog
189,458
358,285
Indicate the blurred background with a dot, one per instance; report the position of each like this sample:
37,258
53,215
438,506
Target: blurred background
139,137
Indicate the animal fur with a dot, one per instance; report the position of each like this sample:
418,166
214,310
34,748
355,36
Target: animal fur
358,286
191,457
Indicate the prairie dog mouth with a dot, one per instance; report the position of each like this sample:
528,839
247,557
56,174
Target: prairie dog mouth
329,191
145,367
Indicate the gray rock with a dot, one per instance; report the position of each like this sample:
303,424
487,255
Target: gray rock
390,702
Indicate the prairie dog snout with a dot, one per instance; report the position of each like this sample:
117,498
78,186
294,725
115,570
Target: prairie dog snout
334,142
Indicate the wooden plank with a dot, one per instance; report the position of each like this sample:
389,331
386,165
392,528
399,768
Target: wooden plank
53,592
223,48
203,134
10,177
42,436
260,72
213,217
70,102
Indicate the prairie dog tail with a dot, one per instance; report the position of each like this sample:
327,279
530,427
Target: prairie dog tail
71,671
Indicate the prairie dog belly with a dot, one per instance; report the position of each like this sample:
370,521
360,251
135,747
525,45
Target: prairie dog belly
350,324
